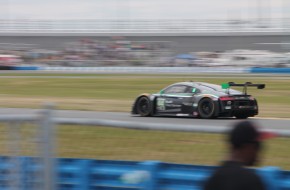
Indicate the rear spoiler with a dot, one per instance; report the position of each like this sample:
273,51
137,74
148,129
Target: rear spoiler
245,85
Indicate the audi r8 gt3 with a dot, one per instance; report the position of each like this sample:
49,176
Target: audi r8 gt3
199,99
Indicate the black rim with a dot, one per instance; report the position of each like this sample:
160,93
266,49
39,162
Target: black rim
206,107
143,106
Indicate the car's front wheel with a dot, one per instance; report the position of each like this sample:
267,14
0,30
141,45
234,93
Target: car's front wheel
144,106
206,108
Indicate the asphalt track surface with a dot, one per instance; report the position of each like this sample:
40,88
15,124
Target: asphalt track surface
265,123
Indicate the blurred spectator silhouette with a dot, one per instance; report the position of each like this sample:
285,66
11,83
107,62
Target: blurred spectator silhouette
245,143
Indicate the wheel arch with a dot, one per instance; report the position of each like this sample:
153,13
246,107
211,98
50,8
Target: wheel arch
215,102
149,96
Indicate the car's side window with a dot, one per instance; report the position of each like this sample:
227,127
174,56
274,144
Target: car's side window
194,90
190,90
176,89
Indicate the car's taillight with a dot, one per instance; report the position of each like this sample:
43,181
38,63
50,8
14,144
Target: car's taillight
226,98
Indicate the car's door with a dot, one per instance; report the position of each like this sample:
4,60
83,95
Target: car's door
172,98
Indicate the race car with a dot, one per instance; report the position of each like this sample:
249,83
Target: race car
199,99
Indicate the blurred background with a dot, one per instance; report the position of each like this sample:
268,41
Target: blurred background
152,33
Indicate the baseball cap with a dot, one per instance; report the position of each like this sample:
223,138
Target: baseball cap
245,132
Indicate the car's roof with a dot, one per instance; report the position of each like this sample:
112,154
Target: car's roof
214,88
195,84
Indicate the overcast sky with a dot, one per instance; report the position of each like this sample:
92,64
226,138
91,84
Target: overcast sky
150,9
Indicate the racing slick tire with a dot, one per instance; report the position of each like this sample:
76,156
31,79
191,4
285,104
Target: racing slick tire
144,106
206,108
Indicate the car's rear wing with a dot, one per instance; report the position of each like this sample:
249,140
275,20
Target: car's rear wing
245,85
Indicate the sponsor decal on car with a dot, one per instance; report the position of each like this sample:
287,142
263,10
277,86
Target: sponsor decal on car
161,104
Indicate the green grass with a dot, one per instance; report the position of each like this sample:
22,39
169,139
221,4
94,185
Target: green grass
126,144
177,147
117,92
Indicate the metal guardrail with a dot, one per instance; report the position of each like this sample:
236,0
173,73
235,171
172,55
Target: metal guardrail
158,127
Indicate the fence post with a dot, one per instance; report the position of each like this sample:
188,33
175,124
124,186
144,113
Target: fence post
47,146
14,159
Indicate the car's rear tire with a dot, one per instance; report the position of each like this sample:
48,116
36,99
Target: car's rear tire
241,116
206,108
144,106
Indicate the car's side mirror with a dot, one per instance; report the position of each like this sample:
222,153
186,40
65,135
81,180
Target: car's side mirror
161,92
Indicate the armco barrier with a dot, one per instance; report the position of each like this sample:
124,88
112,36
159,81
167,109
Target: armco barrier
87,174
270,70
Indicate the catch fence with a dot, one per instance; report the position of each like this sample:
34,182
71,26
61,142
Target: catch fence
32,142
143,26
